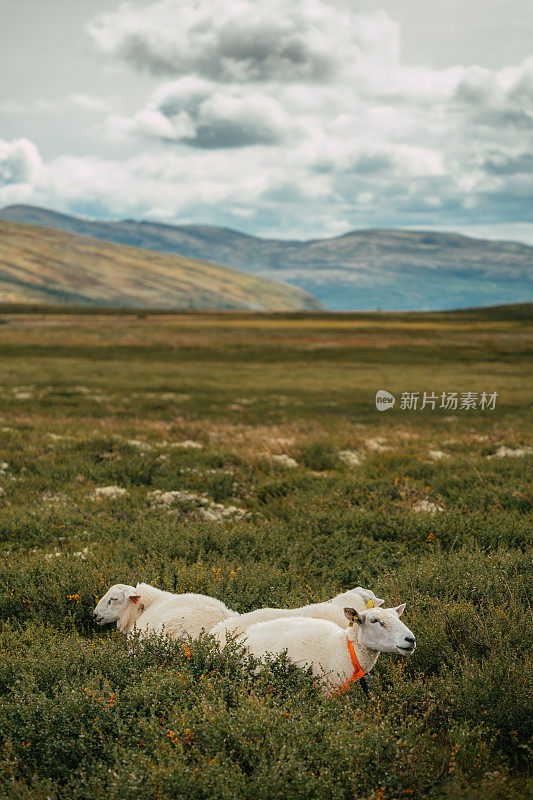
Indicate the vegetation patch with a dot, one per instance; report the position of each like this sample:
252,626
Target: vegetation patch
103,480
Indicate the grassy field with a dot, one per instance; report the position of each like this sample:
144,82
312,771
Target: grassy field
90,401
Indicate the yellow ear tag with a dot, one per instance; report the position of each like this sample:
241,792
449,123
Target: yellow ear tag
370,604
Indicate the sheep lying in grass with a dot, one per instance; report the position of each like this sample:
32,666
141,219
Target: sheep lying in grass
336,655
150,610
332,610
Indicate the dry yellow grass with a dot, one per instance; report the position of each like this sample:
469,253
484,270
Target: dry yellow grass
43,265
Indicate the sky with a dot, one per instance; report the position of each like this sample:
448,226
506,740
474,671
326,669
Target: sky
297,119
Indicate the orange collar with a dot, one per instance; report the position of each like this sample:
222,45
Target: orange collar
358,671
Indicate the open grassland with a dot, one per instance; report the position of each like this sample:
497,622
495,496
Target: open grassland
431,507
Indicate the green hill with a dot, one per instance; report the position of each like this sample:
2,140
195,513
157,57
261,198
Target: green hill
42,265
361,270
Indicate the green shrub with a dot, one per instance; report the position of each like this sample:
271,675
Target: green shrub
320,456
83,718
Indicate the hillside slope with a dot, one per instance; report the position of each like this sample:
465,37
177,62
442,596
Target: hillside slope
363,270
43,265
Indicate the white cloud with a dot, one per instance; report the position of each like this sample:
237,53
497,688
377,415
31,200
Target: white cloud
20,162
205,115
245,41
89,102
42,105
299,118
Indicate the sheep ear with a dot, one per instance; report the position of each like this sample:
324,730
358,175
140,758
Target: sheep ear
134,598
375,602
400,609
353,616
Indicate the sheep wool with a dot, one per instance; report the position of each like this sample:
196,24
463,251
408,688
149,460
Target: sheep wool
148,610
322,645
331,610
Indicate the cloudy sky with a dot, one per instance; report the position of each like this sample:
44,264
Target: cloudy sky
304,118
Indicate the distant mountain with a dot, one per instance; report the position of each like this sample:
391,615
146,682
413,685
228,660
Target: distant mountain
42,265
362,270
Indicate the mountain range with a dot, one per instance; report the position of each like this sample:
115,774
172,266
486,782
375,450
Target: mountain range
361,270
43,265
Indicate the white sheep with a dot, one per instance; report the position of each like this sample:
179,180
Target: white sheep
335,655
332,610
150,610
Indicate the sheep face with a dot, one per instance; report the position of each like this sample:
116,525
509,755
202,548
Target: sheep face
381,630
114,603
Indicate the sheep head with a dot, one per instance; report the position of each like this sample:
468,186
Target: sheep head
369,597
115,602
381,630
353,596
